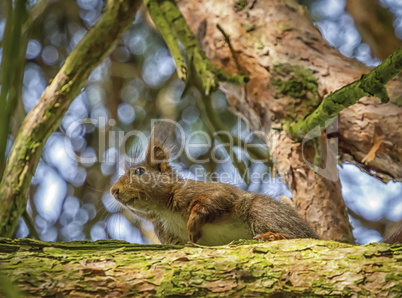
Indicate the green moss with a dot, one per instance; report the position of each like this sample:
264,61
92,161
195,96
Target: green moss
64,90
393,276
285,26
259,45
354,257
296,81
240,5
300,85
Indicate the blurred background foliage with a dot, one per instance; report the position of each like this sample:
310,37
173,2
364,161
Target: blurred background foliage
69,195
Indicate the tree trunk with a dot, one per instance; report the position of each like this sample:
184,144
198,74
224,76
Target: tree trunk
291,70
245,269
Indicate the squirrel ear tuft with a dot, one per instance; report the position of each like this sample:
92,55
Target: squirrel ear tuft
161,143
158,158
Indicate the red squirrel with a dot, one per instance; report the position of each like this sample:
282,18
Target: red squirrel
203,212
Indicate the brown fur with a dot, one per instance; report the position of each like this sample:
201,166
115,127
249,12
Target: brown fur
209,213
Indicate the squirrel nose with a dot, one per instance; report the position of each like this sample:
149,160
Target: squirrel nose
115,192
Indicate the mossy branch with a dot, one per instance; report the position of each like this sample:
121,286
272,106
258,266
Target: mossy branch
54,102
371,84
169,36
14,47
172,25
35,14
298,267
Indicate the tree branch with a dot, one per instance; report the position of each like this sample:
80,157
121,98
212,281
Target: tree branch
168,35
247,268
47,114
14,47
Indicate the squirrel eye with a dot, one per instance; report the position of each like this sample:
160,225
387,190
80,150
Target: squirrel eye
139,171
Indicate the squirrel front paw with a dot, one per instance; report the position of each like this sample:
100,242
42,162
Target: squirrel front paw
194,228
195,236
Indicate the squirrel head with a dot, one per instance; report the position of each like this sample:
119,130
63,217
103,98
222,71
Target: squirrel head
147,186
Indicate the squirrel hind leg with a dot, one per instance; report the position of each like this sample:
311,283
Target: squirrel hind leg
269,236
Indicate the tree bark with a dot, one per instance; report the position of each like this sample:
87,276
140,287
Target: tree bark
291,70
247,269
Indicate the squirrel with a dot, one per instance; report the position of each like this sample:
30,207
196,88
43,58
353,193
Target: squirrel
203,212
